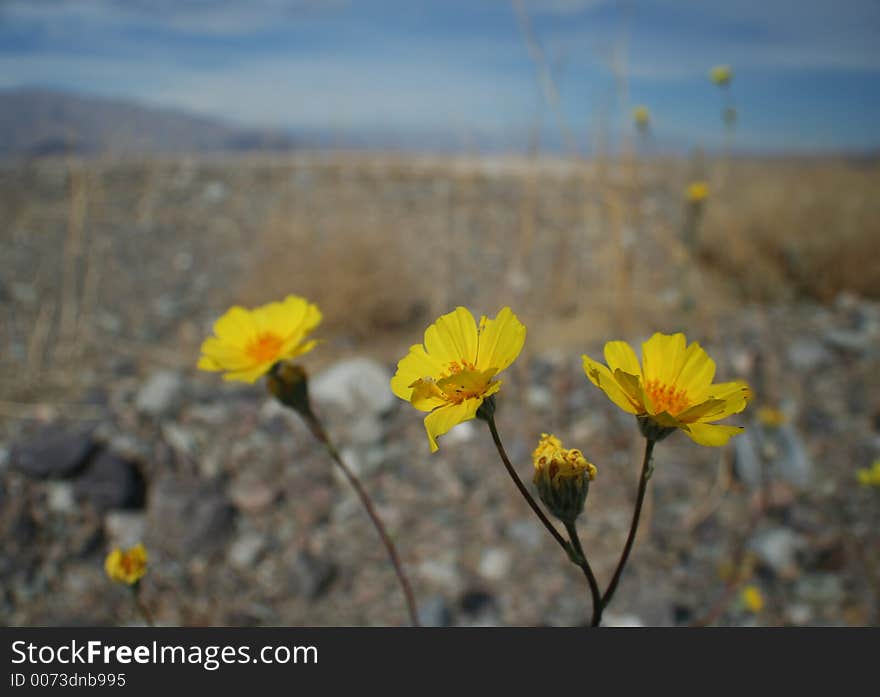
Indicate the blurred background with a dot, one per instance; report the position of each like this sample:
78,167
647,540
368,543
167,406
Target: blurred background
607,168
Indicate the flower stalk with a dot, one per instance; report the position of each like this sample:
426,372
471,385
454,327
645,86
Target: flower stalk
288,383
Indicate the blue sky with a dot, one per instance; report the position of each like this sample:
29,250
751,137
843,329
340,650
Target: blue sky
806,71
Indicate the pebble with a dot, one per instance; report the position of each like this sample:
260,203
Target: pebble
111,482
777,548
312,575
160,395
354,385
246,549
54,453
60,498
188,516
495,564
125,528
435,612
252,495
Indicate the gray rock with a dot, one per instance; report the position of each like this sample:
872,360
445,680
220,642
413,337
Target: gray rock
246,549
188,516
793,465
435,612
777,548
125,528
807,353
111,482
526,532
251,494
495,564
850,340
824,590
60,497
353,385
312,575
747,461
479,609
54,453
160,395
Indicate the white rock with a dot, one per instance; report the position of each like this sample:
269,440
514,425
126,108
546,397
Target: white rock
354,385
462,433
245,550
125,528
59,497
495,564
161,394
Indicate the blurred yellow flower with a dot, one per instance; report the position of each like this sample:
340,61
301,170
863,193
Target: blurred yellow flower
721,75
642,116
752,599
247,343
127,566
671,389
562,477
869,476
697,191
772,417
451,373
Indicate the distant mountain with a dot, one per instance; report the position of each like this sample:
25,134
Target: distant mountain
35,121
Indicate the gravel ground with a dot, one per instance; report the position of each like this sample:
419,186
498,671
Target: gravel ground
109,435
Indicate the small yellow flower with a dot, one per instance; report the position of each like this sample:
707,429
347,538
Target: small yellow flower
752,599
772,417
562,477
721,75
247,343
642,117
869,476
697,192
451,373
127,566
671,389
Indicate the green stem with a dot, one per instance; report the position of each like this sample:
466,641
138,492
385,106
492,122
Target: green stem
588,573
573,550
640,498
317,429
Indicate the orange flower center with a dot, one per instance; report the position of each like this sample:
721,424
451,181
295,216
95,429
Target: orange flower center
666,397
456,367
264,348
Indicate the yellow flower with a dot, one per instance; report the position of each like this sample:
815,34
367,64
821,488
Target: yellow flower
697,191
752,599
127,566
721,75
247,343
642,116
451,373
772,417
562,477
869,476
671,389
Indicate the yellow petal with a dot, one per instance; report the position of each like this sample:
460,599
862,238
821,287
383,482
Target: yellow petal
632,387
441,420
251,374
500,341
453,337
601,377
619,354
415,365
426,395
228,356
696,373
663,357
236,326
711,434
705,411
734,397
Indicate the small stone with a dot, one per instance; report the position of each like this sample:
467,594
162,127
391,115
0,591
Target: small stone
354,385
125,528
435,612
111,482
60,498
442,573
823,590
777,548
539,398
850,340
610,619
246,549
806,354
479,609
179,438
189,516
161,394
251,494
312,575
495,564
54,453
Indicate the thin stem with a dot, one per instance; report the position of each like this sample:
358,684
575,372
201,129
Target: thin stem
318,431
522,489
573,551
142,606
640,498
571,528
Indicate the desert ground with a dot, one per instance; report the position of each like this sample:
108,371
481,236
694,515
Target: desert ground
114,270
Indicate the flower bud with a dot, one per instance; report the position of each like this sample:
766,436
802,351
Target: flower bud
562,478
289,384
